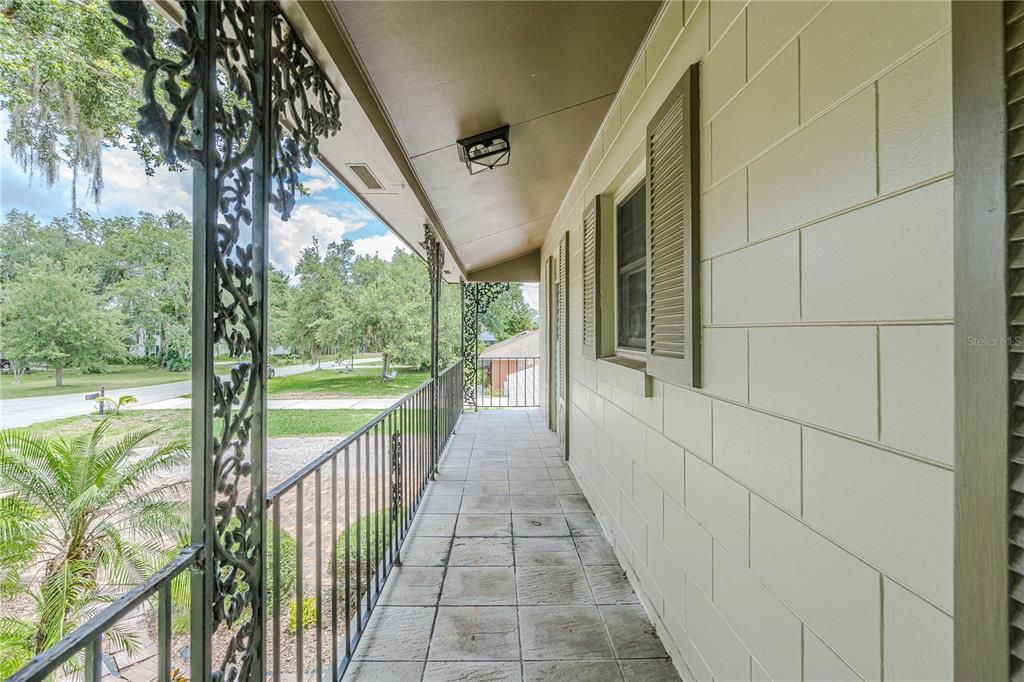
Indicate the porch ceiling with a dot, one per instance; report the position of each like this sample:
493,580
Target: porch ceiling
446,70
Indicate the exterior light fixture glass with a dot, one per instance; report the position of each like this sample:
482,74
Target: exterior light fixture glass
485,151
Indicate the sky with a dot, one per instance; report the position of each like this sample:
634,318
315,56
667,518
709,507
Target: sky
329,213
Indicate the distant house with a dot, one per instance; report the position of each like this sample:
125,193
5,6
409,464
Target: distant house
487,338
512,362
522,345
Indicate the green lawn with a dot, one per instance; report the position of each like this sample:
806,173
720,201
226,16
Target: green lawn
175,424
330,383
41,382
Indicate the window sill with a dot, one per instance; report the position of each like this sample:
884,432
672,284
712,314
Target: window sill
627,373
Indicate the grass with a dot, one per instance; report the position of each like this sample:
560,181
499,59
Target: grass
40,382
176,424
363,382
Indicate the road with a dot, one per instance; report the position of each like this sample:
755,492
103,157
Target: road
17,412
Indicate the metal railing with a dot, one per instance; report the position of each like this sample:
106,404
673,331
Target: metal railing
88,637
508,382
377,475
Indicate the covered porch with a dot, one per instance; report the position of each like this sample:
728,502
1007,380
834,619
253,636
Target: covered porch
774,385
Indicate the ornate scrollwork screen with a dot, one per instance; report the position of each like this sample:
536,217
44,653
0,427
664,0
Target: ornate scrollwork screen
234,92
476,298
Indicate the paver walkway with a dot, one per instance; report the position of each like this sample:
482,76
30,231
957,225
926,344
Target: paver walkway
506,574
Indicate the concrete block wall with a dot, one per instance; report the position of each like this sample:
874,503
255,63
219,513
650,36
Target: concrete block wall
793,518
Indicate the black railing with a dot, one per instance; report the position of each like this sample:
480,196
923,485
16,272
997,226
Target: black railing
508,382
377,475
88,638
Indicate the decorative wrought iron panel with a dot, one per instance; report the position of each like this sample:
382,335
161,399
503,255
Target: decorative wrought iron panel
243,101
396,475
476,298
433,252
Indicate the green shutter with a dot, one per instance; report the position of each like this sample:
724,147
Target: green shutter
591,276
673,224
563,315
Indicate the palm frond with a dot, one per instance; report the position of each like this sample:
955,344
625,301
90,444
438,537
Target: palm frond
16,645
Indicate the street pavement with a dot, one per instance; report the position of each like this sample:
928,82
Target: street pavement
18,412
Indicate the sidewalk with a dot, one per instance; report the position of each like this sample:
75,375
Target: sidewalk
298,404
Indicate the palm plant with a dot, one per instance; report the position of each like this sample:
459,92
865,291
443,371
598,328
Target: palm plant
81,520
117,404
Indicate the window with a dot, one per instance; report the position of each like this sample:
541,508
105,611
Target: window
631,268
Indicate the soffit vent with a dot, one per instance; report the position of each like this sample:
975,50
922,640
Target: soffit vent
365,176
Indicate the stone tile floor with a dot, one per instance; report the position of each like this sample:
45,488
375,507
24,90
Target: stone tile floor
506,574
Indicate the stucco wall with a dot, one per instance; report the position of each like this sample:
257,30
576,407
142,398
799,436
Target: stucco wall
795,516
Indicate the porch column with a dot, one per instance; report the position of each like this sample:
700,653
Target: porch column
435,264
244,161
204,285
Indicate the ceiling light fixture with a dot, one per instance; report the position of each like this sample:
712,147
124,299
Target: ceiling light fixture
485,151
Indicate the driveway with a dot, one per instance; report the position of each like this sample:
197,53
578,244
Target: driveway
24,411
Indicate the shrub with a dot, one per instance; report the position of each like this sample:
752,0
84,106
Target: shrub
368,540
287,553
178,363
288,565
308,614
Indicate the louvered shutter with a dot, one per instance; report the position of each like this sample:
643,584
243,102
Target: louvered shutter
1014,75
563,315
591,276
673,261
598,334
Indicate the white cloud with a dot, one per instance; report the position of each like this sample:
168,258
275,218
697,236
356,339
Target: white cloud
127,188
531,294
288,238
316,171
315,185
382,245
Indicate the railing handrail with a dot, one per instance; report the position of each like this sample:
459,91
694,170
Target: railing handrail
445,370
58,654
88,636
326,456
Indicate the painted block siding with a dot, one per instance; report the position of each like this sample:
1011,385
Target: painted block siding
793,519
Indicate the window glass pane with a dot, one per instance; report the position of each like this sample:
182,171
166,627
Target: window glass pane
633,309
632,237
632,270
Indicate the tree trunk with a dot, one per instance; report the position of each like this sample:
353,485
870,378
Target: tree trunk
384,370
60,375
161,354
